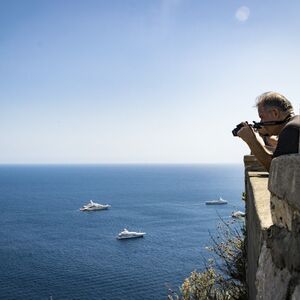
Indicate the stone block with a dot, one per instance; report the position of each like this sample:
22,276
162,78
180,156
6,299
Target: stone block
282,212
271,282
284,179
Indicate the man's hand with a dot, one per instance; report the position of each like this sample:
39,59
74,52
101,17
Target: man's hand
247,134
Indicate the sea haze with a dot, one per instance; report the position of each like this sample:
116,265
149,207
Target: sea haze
49,248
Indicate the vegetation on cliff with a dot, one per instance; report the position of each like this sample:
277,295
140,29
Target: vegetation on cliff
224,276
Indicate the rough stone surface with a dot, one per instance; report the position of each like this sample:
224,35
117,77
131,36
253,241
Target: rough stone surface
271,282
296,294
285,179
284,246
282,213
273,230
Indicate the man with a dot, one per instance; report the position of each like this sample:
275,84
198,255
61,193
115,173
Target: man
277,118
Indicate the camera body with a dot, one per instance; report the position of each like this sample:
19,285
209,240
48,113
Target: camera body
255,125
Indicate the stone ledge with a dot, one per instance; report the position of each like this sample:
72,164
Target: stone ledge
261,198
258,220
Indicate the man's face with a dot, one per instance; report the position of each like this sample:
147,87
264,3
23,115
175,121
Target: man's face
268,114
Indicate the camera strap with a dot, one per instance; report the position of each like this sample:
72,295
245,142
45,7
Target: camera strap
272,123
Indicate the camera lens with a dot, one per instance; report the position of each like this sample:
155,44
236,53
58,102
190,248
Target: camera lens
237,128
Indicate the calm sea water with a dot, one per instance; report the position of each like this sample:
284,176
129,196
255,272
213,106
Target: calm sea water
49,249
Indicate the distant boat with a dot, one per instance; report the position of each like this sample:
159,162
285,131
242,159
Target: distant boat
91,206
125,234
238,214
216,202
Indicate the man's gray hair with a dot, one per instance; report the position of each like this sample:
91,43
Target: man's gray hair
273,99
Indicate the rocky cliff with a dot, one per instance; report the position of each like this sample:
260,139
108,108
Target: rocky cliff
273,228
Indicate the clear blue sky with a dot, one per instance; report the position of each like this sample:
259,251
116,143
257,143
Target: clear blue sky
139,81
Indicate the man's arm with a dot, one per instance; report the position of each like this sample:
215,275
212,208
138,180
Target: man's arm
256,146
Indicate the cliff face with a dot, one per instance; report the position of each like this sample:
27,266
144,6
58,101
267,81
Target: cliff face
273,228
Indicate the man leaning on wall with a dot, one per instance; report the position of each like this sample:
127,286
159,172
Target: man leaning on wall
276,119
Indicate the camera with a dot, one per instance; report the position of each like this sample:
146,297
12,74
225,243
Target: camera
259,125
237,128
255,125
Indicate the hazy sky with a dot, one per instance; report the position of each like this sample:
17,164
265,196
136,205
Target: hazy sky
139,81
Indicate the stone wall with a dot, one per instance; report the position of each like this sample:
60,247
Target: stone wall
273,228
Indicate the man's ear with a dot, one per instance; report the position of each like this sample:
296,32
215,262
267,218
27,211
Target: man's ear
276,113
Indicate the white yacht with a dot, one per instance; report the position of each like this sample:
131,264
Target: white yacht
94,206
125,234
238,214
216,202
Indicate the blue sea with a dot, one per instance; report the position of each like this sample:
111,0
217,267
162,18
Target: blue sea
51,250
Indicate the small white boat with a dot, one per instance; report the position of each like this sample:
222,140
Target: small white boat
125,234
216,202
91,206
238,214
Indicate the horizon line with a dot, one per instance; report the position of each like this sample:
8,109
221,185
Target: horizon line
120,163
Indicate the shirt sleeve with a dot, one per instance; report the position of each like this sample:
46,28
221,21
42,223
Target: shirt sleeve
288,141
